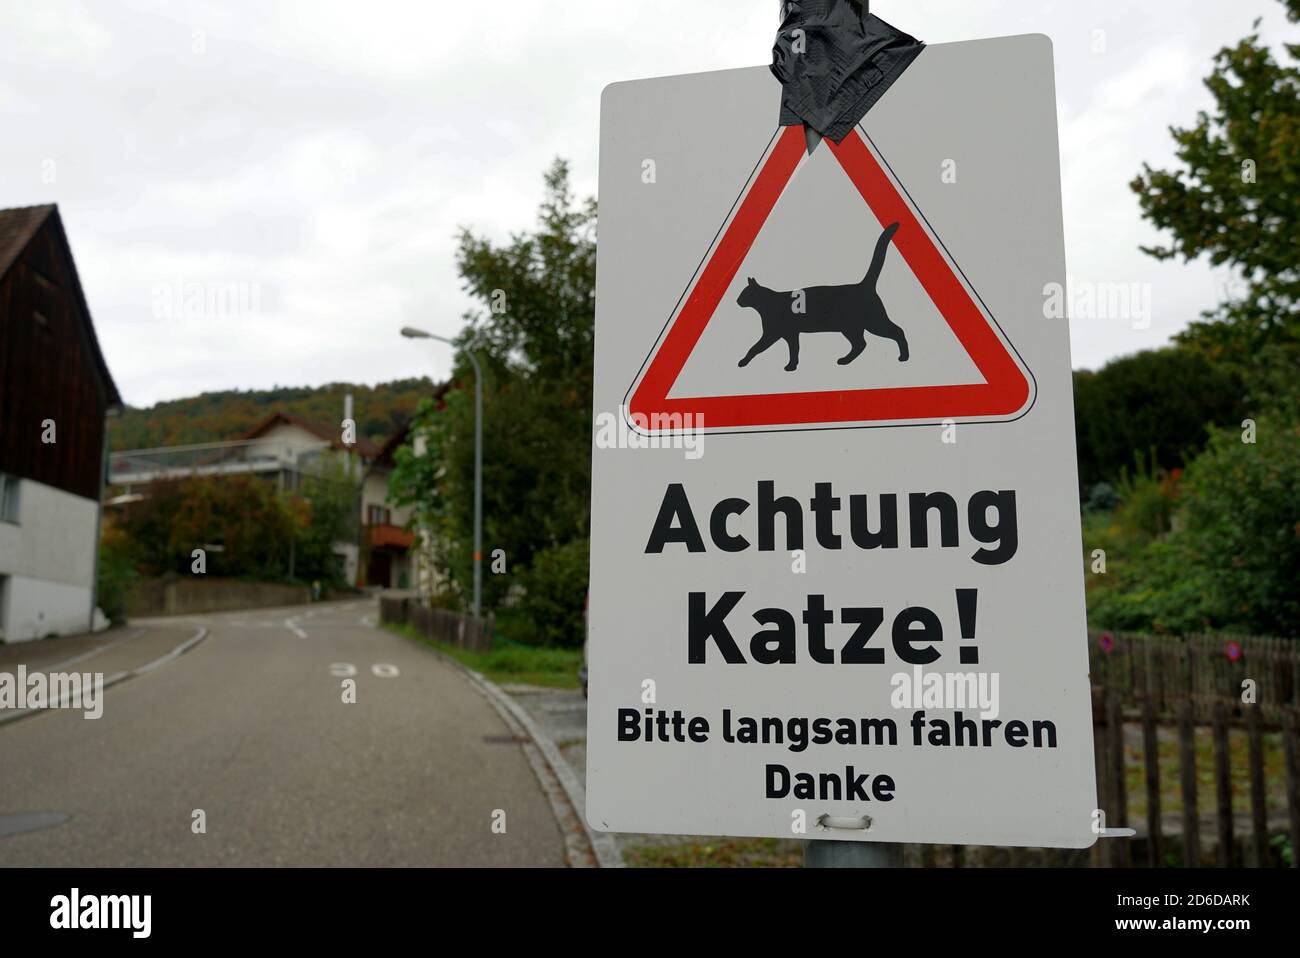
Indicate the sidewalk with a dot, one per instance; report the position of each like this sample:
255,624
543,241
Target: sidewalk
114,653
562,714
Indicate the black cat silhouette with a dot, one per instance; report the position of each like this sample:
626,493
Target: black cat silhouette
852,310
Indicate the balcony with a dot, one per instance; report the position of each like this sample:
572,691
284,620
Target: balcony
383,535
139,466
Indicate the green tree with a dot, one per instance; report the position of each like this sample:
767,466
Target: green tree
533,335
1157,402
538,290
242,523
327,504
1235,198
379,411
1230,556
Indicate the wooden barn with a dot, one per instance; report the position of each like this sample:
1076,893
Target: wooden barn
55,392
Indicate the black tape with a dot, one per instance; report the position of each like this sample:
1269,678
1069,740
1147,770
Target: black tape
841,63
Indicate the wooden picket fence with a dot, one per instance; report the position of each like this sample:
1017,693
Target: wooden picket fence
463,631
1191,693
1170,671
1153,689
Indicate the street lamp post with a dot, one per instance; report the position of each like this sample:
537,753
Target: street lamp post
412,333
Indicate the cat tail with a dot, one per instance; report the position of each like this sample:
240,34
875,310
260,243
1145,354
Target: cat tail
878,258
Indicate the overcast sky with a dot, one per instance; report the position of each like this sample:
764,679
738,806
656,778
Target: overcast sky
321,155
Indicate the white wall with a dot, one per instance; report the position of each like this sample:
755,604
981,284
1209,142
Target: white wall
294,437
374,491
49,556
36,608
348,550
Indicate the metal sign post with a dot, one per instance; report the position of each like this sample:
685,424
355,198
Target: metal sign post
835,854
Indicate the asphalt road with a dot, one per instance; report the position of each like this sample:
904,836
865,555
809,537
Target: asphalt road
250,726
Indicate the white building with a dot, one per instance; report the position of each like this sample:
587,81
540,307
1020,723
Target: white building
287,449
303,445
389,539
55,391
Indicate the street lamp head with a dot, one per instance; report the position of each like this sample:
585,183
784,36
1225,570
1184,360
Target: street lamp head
410,332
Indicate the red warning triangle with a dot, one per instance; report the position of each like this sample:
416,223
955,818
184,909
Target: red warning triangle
1006,393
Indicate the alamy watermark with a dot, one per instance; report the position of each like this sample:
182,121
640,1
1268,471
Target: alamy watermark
208,300
636,430
1079,299
74,911
55,690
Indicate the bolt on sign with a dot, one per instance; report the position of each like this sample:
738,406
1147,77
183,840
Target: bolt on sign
836,589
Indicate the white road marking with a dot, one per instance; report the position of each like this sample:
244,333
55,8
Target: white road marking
293,627
385,670
175,653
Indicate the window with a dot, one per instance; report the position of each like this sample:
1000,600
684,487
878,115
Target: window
378,515
8,498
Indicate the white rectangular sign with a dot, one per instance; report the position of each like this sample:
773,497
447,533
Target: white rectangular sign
836,566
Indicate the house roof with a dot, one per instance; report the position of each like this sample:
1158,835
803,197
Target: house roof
385,457
390,447
17,227
363,446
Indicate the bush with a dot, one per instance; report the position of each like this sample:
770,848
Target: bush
1125,518
1243,524
555,594
247,528
1159,400
116,574
1154,590
243,524
1232,561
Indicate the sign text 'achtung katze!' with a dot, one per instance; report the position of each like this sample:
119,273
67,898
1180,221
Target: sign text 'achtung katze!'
914,632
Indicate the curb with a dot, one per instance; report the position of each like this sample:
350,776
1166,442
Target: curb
119,677
603,849
602,844
579,852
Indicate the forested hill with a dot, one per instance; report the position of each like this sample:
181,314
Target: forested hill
212,417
